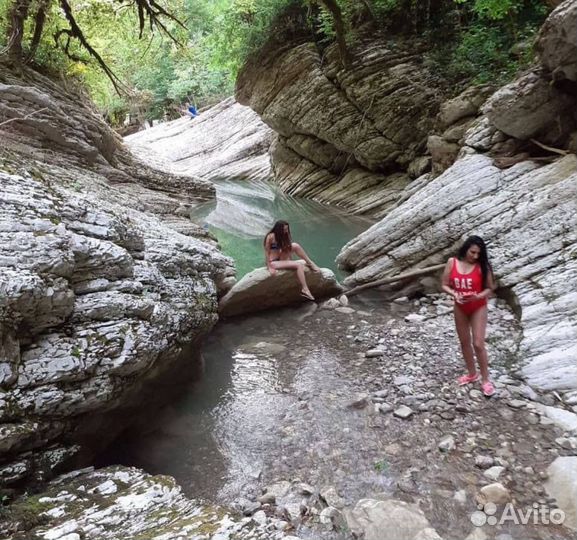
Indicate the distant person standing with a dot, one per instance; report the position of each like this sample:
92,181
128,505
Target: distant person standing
191,110
469,279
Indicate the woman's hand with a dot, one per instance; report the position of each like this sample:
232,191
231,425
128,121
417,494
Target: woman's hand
272,270
470,298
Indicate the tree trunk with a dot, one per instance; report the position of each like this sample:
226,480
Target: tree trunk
39,20
337,15
15,32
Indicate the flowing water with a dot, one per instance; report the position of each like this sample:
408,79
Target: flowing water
245,211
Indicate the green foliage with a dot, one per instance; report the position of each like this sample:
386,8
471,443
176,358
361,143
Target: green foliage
468,40
381,466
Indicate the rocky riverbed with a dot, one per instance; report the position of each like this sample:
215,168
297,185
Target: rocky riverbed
354,420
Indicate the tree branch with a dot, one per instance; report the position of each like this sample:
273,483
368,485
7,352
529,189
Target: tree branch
23,117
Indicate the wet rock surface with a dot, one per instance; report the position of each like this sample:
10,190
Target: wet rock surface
303,424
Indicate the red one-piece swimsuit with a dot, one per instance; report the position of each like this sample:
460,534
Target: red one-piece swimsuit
468,284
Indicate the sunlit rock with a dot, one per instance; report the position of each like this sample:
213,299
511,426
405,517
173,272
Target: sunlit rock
389,520
227,140
121,502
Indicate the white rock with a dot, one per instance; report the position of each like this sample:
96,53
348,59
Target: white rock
494,472
389,520
562,485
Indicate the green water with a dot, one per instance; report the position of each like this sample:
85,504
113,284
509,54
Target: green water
245,211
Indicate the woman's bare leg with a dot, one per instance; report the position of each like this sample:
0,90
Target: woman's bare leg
479,329
297,248
300,270
464,332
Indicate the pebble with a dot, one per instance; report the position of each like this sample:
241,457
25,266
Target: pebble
494,472
496,493
403,412
484,462
447,444
516,403
375,353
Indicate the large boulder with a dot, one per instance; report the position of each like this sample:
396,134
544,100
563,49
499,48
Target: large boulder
528,107
372,519
340,131
104,281
556,44
259,290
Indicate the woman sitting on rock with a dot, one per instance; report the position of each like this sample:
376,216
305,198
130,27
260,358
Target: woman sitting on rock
279,249
468,277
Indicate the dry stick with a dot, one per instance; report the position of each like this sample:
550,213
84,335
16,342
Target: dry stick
23,117
550,148
384,281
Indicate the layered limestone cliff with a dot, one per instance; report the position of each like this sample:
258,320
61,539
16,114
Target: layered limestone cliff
104,282
226,141
355,137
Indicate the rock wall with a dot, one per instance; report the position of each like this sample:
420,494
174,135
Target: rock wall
526,212
355,138
227,140
103,279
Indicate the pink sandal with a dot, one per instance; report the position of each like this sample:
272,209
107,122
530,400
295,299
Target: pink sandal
467,379
487,388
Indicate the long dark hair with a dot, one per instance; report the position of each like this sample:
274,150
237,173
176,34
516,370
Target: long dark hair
283,239
484,263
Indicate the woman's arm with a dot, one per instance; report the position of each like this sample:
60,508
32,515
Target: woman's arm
446,283
491,286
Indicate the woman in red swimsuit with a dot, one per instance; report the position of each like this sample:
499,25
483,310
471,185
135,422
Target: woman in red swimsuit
279,249
468,277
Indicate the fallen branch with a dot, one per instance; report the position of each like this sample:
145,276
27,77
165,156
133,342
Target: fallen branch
385,281
23,117
549,148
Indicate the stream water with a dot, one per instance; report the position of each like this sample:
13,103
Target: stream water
244,211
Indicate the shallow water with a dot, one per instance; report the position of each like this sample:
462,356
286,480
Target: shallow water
270,405
245,211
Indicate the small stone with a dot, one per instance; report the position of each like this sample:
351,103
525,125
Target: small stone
402,380
447,444
476,394
345,310
403,412
460,496
332,498
374,353
496,493
259,517
360,402
516,403
494,472
385,408
484,462
414,317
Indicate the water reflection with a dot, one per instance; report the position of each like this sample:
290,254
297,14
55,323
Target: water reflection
244,212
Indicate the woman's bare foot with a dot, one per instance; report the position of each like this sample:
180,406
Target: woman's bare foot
305,293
